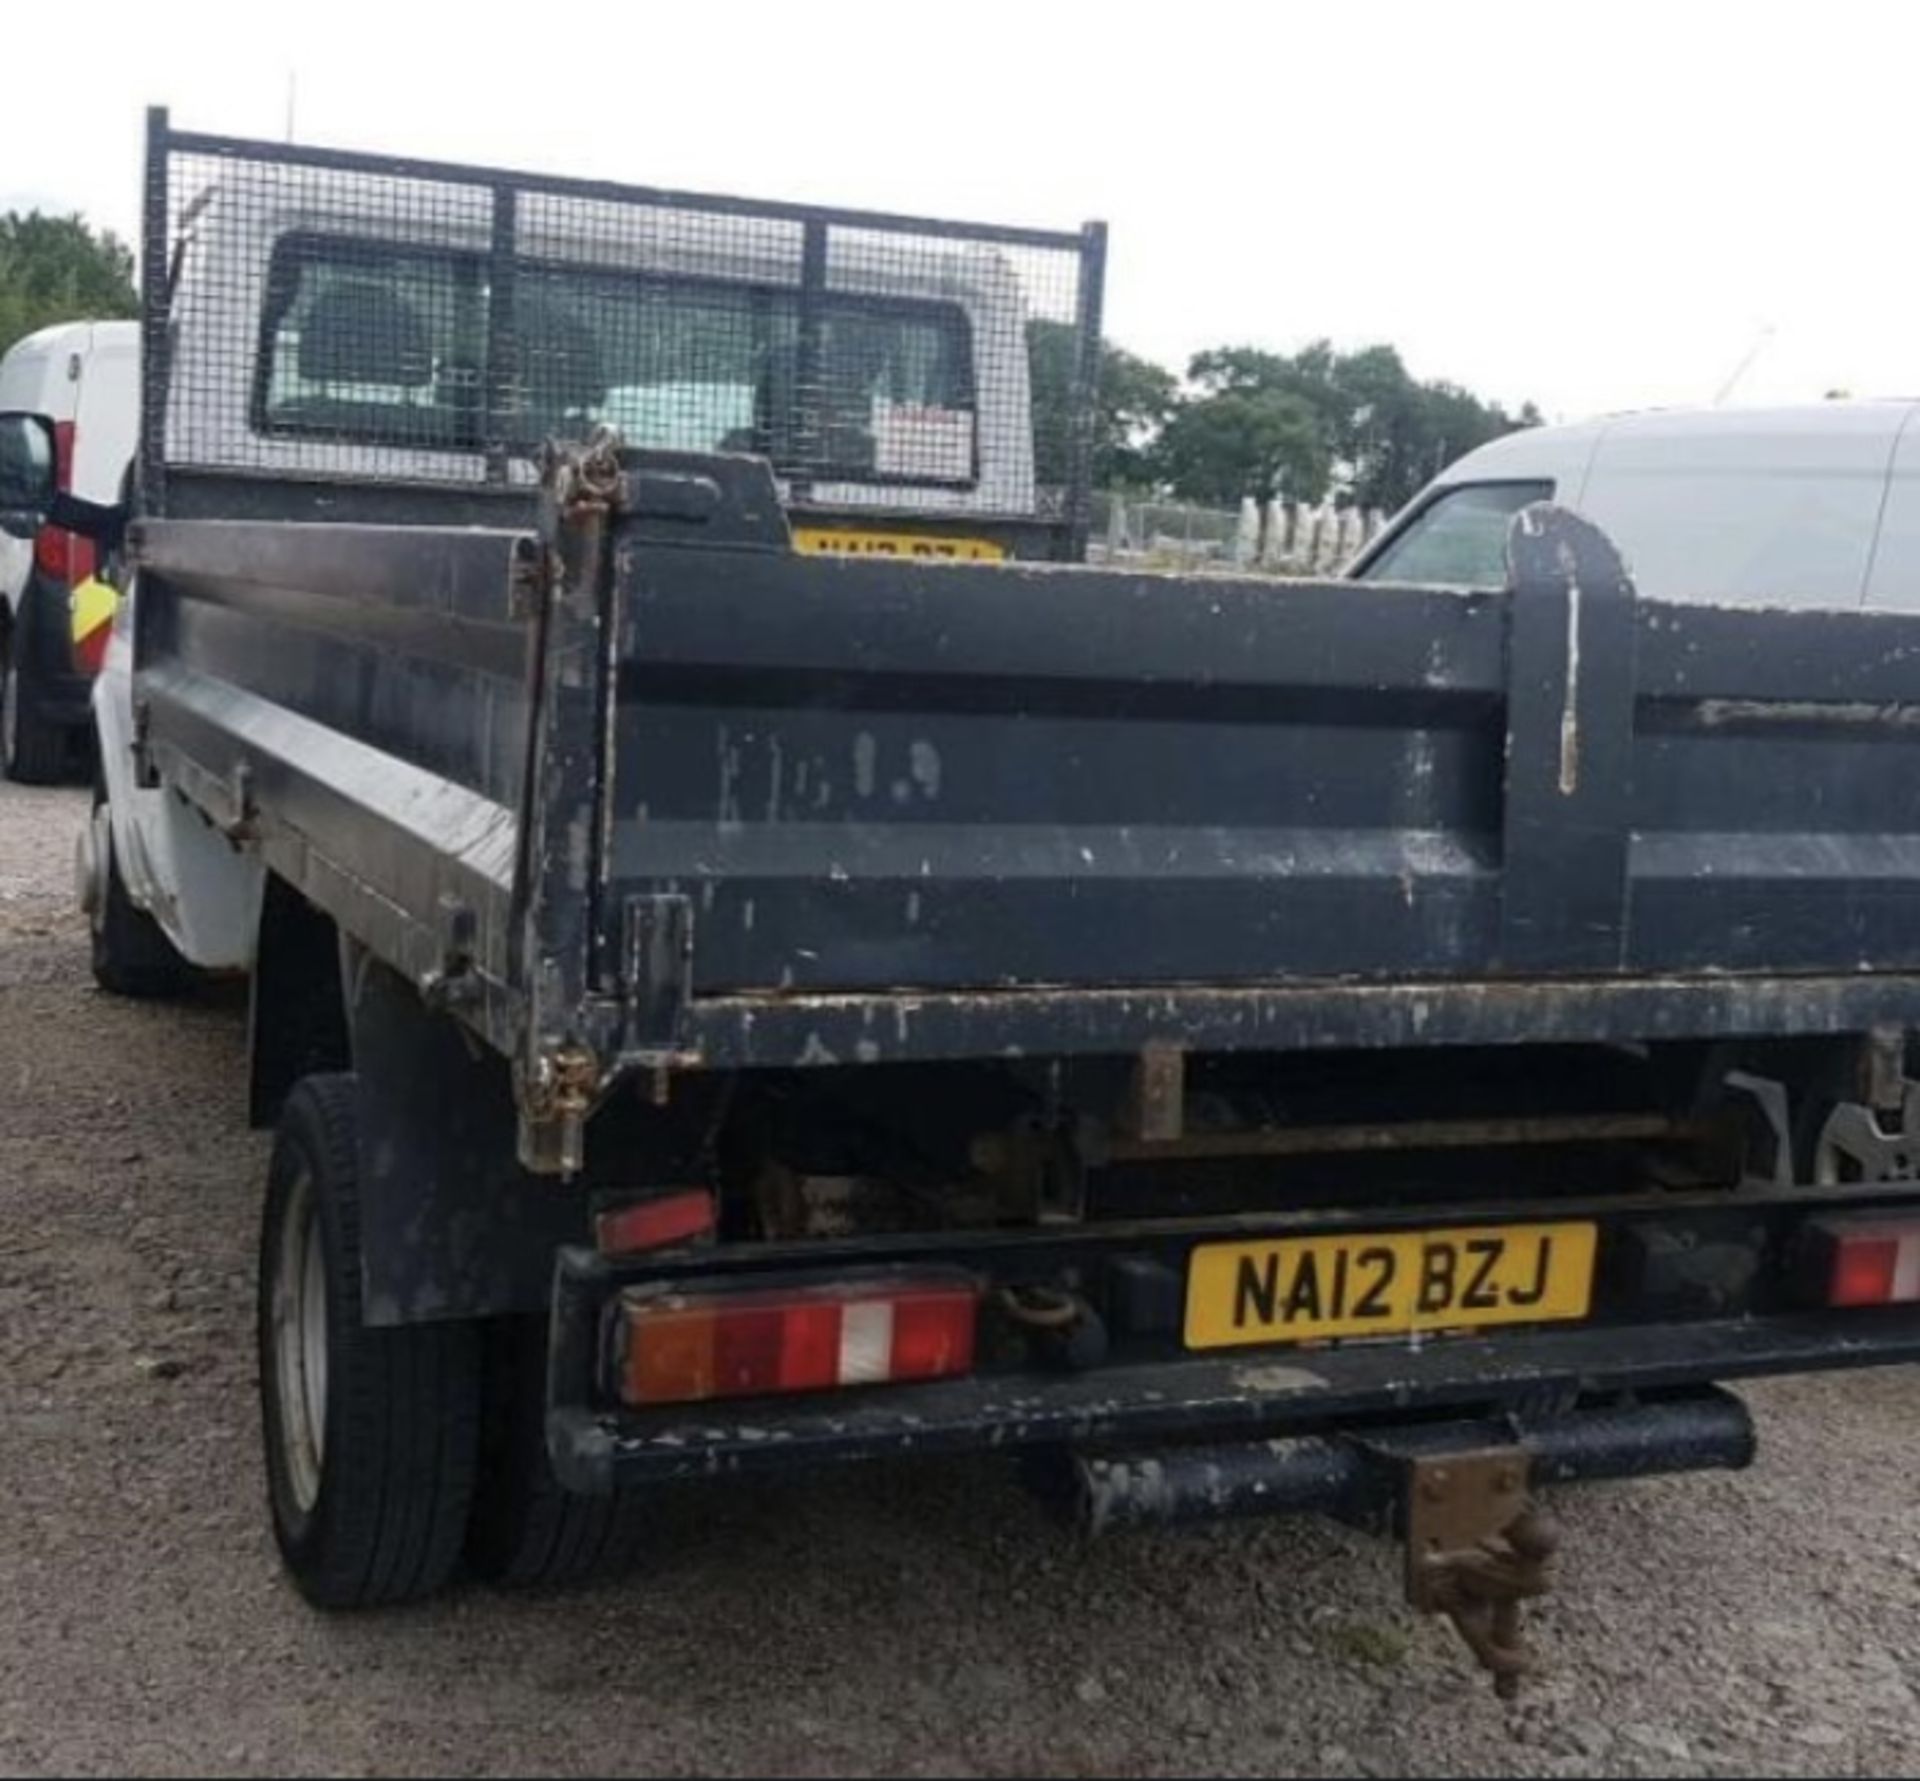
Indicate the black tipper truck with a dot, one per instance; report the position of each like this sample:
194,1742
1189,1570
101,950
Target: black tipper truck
1244,1046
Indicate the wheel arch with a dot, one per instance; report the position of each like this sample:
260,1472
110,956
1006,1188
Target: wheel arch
297,1021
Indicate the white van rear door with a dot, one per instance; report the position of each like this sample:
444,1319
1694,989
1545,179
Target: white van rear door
1747,507
107,420
1895,579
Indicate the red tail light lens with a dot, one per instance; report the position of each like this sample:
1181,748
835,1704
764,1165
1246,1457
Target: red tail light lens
53,552
682,1348
1862,1261
928,1342
64,556
58,553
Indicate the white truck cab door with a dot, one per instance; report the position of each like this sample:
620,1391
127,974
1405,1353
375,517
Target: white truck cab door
204,893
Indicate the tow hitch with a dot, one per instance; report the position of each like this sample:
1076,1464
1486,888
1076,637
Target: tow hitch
1477,1548
1460,1494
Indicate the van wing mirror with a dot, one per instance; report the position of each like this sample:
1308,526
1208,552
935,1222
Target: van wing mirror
29,482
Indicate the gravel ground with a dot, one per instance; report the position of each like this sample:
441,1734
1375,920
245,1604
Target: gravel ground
916,1619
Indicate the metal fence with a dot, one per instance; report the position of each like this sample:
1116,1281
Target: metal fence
315,313
1296,539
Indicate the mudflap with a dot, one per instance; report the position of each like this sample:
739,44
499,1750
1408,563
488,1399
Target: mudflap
452,1226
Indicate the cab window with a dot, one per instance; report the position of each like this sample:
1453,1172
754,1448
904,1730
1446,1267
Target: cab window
1459,539
387,344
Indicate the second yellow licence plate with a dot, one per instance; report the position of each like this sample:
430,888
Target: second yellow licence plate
1303,1289
831,541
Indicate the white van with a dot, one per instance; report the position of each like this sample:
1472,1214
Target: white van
1811,506
85,378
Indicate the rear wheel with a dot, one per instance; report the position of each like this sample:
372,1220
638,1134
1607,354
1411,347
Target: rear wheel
372,1435
527,1531
32,751
132,955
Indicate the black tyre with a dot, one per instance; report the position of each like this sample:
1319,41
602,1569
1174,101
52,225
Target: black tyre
32,751
528,1532
371,1434
132,955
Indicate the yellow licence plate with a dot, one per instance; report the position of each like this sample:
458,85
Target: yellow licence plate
1306,1289
827,541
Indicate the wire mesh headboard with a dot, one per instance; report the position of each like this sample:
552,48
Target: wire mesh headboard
313,313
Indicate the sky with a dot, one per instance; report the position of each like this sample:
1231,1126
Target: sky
1592,204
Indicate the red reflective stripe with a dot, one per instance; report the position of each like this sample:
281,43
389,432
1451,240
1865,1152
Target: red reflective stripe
653,1224
90,653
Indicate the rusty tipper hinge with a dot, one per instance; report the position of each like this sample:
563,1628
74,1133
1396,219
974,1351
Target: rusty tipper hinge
1477,1548
558,1070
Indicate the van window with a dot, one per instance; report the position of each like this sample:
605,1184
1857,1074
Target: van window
26,464
370,342
1459,539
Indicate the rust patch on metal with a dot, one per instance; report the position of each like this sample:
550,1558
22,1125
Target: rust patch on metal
1477,1549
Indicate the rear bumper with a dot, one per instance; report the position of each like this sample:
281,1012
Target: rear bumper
1248,1395
1362,1476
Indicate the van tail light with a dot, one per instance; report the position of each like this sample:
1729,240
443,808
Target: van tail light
58,553
61,555
1869,1260
682,1348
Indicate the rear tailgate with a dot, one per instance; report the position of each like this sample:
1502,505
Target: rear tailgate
882,774
874,776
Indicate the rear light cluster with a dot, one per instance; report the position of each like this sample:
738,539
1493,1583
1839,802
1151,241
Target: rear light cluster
1862,1261
65,556
682,1348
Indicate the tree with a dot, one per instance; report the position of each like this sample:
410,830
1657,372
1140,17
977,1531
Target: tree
1381,430
1236,443
1134,399
1384,432
58,269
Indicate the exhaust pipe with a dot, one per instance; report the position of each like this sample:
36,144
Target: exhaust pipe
1358,1478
